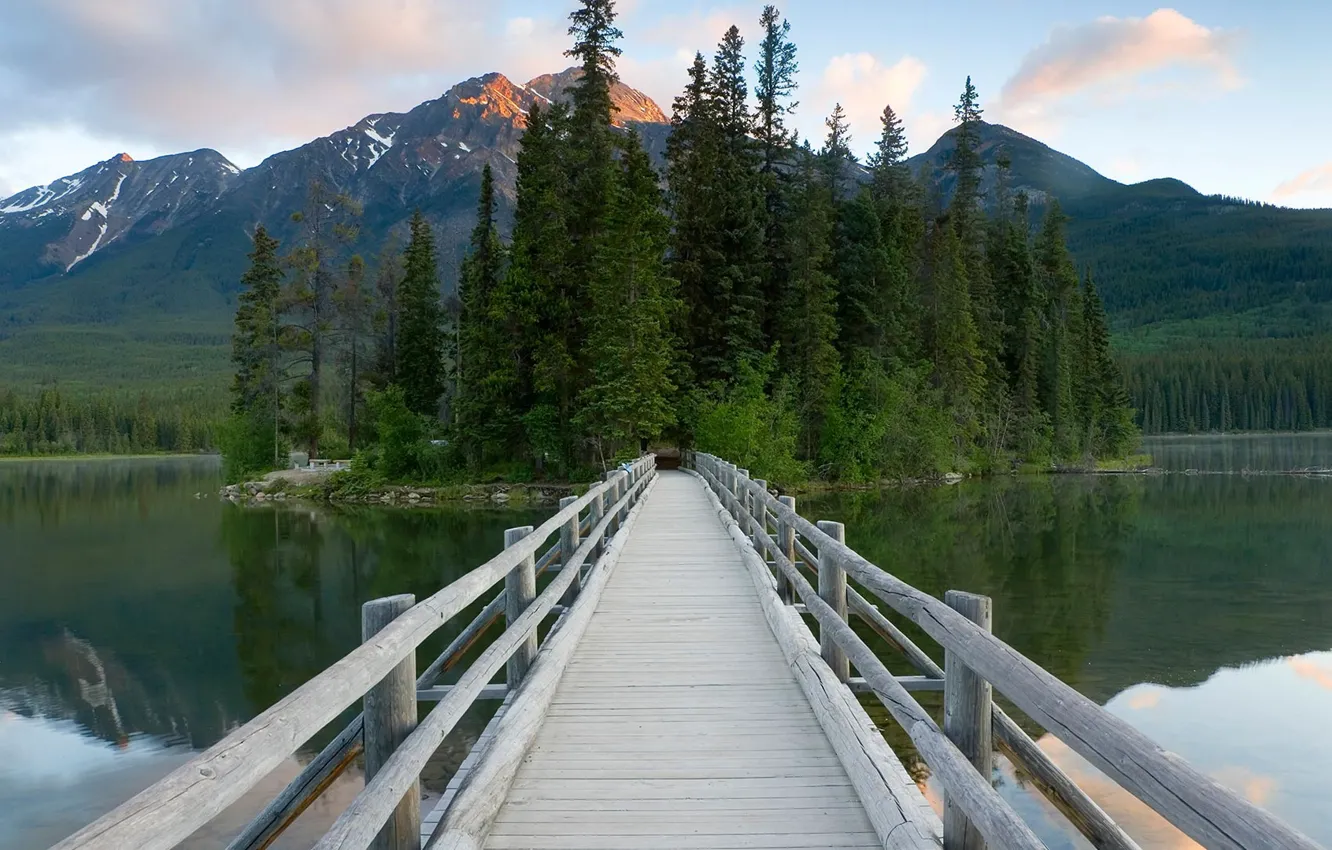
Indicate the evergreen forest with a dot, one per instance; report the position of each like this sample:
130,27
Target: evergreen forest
775,302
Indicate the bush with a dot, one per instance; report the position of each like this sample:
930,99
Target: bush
401,434
247,444
750,428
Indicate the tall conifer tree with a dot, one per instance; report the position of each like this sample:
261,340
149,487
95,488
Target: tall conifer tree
421,335
482,342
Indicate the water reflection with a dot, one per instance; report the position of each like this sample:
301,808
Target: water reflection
1198,608
147,620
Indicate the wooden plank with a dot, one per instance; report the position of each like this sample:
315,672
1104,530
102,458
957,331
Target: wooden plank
967,703
1214,816
390,716
678,692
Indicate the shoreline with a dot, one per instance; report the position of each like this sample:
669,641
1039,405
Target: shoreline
75,457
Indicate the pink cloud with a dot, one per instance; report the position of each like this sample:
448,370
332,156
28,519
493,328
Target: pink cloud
1317,180
864,84
1117,52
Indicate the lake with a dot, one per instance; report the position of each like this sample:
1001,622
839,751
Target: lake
143,619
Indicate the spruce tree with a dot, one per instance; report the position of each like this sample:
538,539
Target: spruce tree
629,397
483,345
738,200
591,145
693,152
950,333
1106,402
421,335
388,277
1059,284
836,156
897,202
775,85
355,306
539,304
809,310
891,178
255,346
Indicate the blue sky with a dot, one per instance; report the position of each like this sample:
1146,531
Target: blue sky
1225,95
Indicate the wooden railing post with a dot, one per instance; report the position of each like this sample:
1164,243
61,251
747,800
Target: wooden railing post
761,515
832,589
786,537
609,498
570,539
967,701
595,511
742,494
519,591
390,716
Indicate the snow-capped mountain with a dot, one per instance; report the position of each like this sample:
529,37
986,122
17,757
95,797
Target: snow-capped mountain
391,163
68,221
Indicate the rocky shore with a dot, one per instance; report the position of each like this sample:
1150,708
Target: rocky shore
281,490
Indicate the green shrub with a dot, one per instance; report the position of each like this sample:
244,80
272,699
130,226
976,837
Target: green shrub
247,444
751,428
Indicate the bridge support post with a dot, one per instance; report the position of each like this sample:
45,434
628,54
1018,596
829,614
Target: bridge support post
570,538
519,591
832,589
786,538
967,710
595,511
390,716
612,495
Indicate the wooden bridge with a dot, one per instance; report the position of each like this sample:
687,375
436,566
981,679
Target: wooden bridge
680,700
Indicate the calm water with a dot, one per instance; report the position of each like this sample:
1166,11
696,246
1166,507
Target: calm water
1196,607
141,619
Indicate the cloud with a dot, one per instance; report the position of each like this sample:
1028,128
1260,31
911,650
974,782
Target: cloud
1316,671
1111,56
1315,181
249,74
863,84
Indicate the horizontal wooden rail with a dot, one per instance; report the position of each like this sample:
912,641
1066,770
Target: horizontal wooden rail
1211,814
166,813
358,825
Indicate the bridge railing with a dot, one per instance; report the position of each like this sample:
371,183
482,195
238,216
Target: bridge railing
382,669
960,754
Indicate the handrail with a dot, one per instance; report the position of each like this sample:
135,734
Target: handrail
995,819
361,821
1211,814
161,816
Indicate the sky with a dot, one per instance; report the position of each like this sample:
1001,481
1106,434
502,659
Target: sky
1225,95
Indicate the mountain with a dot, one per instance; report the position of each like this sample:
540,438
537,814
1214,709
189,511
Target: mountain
178,227
54,228
127,271
1166,256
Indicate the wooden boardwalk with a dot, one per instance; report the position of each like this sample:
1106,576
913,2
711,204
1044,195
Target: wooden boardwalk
678,723
680,701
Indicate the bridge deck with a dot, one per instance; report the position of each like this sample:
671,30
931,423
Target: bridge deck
678,723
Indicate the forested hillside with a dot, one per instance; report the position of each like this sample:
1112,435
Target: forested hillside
769,306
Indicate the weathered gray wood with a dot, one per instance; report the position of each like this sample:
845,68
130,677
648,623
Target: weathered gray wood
1214,816
967,702
997,821
786,536
390,716
832,588
570,539
438,692
163,815
898,812
519,591
473,810
895,637
356,826
1082,811
858,685
677,697
595,511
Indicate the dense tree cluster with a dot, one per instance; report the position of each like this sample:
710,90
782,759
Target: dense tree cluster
1258,385
52,422
787,306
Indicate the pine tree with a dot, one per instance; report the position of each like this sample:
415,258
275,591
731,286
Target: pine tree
896,200
591,145
482,343
388,277
738,200
775,84
887,163
1106,401
809,314
950,333
1059,284
836,157
326,227
629,398
355,307
256,389
539,304
421,335
692,156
